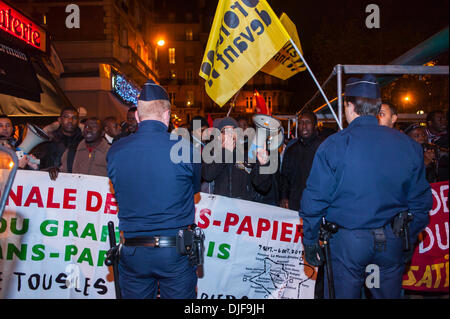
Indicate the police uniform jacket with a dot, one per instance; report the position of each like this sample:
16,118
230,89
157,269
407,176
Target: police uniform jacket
362,177
153,192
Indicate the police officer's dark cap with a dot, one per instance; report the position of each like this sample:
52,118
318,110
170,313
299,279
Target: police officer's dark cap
152,91
367,87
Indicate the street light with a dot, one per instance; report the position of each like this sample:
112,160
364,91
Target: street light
161,42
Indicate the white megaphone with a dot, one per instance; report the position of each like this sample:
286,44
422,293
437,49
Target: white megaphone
269,133
34,136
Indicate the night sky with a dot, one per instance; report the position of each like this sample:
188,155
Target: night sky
334,32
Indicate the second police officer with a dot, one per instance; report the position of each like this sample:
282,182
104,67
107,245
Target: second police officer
362,178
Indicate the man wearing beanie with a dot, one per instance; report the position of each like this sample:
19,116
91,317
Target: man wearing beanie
231,176
155,195
363,179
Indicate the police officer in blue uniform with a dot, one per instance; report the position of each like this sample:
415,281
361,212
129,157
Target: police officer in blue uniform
155,196
361,179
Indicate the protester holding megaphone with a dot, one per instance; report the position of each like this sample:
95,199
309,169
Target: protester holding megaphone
231,171
7,139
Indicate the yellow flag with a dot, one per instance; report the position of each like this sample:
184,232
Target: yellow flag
244,36
287,62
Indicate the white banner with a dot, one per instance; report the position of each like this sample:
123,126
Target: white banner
54,238
252,251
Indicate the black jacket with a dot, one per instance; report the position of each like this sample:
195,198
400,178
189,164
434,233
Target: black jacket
237,180
50,152
230,179
266,187
297,163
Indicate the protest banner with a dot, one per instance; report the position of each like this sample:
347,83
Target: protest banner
252,251
428,270
54,239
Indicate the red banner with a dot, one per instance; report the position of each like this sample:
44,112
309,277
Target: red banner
429,266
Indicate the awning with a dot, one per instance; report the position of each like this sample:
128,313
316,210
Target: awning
18,96
17,76
98,103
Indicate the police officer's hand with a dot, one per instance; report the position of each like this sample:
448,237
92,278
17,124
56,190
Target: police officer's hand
53,172
314,255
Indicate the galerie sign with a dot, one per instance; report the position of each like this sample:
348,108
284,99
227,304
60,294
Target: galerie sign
22,28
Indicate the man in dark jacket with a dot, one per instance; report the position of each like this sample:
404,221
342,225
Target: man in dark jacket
232,176
298,161
130,126
67,136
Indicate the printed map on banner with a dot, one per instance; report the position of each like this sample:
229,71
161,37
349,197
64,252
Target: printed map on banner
252,251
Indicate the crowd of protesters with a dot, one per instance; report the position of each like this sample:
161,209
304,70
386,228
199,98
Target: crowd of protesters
80,146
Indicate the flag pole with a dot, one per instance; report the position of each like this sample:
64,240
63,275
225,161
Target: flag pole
232,103
317,83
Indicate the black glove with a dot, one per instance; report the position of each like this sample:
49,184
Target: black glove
314,255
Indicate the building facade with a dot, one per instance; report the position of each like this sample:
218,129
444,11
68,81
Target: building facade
105,49
119,44
184,26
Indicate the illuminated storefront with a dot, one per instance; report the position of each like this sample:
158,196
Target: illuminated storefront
28,63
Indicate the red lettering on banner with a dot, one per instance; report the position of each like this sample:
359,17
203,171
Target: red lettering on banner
230,220
89,200
204,218
263,225
34,197
110,202
246,226
289,232
298,233
50,203
16,197
286,231
275,230
68,198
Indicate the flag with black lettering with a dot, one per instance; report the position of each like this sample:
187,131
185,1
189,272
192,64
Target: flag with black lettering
245,35
286,62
